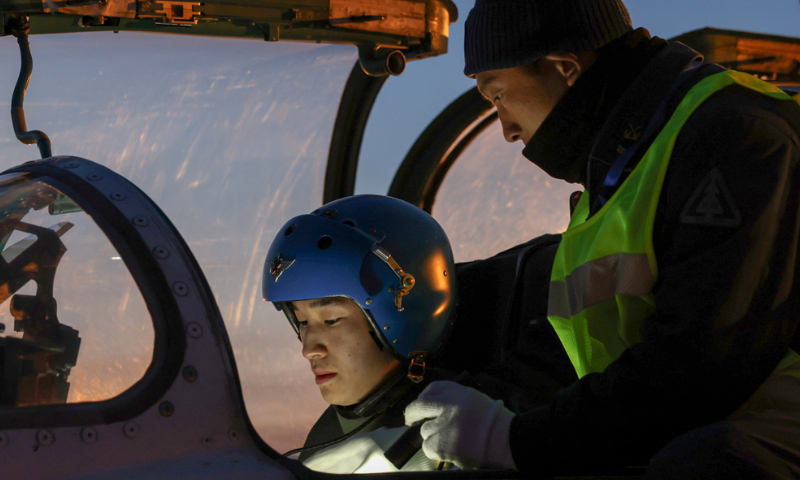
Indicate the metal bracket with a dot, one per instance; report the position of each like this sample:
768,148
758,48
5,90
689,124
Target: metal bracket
179,13
416,370
379,62
406,279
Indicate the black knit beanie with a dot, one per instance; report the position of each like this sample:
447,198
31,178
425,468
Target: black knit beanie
511,33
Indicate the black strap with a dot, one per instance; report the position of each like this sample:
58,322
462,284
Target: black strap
614,174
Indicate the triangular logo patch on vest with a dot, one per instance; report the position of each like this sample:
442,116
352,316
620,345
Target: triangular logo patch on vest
712,204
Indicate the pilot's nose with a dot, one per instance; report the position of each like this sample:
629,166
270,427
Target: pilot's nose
313,346
511,129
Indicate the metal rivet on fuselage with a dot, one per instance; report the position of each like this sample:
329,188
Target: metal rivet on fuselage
189,373
89,435
194,330
45,438
180,289
131,429
166,408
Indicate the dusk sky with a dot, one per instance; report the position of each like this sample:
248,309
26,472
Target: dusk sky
230,138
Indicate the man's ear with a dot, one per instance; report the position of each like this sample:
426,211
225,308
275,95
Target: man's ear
568,65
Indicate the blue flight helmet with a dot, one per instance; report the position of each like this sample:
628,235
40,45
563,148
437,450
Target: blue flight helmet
388,256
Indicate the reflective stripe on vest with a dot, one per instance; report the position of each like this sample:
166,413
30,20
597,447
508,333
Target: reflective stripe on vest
605,268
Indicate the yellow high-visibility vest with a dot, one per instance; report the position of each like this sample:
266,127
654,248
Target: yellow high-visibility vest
605,268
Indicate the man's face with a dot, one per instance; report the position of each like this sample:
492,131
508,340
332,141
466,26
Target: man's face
524,98
346,361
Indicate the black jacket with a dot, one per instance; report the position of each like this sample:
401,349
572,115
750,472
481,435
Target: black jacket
727,295
501,334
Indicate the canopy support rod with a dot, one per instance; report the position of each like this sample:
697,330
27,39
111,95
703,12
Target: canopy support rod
17,113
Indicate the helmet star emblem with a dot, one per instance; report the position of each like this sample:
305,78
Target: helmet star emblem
279,265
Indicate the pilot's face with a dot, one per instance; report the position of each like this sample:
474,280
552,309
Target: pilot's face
346,362
524,98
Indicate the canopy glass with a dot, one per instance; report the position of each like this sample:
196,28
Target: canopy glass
73,325
230,139
493,198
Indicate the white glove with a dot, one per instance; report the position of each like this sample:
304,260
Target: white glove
463,426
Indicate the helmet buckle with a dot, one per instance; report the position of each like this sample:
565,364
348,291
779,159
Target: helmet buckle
416,370
406,284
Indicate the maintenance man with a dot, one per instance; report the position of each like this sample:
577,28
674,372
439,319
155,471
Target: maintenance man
674,290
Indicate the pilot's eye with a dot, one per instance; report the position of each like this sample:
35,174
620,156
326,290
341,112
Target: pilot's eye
303,323
496,99
331,322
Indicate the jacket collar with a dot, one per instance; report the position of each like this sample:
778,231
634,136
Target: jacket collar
633,112
609,105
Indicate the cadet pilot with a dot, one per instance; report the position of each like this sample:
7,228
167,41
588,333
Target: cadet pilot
368,284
